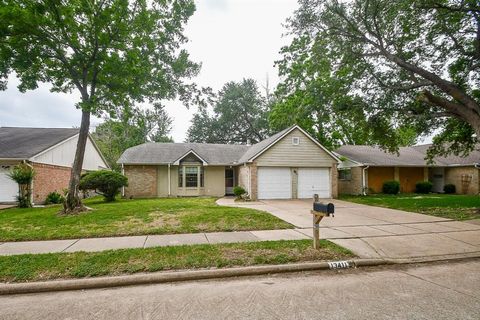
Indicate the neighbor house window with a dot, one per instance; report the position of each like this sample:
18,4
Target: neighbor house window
345,174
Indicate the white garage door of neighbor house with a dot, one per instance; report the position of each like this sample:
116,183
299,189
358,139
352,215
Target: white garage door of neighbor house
313,181
8,187
274,183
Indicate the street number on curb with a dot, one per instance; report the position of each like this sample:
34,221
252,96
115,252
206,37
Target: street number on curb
339,265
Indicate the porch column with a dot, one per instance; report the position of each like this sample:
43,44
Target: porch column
425,174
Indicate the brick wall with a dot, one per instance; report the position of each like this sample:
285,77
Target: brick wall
334,180
253,176
454,175
352,186
142,181
49,178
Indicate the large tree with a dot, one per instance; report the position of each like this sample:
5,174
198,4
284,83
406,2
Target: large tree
132,128
406,63
114,53
238,114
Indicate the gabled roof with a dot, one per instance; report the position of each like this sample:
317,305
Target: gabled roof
165,153
211,154
407,156
24,143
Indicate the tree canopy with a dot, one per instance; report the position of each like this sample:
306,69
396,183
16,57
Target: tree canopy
382,72
115,53
114,136
238,114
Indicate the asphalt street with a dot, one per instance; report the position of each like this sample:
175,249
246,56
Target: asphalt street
447,290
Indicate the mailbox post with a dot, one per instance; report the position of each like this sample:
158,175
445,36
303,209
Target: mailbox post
320,210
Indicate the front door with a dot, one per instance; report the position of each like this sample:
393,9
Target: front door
229,180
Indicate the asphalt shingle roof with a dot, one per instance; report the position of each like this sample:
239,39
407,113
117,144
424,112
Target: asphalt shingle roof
24,143
407,156
213,154
163,153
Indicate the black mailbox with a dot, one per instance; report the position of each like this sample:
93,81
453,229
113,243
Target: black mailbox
328,208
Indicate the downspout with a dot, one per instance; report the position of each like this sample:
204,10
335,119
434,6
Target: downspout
123,188
169,181
364,184
31,183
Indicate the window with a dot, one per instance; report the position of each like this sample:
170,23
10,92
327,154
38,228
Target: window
191,176
295,141
345,174
180,177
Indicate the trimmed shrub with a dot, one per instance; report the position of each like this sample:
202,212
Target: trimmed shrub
23,174
54,198
106,183
449,188
423,187
391,187
238,191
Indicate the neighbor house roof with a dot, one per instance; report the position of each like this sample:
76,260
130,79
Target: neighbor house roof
24,143
407,156
212,154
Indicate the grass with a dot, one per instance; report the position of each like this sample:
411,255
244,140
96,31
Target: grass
133,217
457,207
21,268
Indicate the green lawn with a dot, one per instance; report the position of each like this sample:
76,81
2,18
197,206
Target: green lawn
458,207
133,217
116,262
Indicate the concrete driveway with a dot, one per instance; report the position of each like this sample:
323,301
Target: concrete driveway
374,232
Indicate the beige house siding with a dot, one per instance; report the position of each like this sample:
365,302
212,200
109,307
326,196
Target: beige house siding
352,186
214,182
305,154
454,175
142,181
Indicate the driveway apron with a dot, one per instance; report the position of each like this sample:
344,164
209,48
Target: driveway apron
375,232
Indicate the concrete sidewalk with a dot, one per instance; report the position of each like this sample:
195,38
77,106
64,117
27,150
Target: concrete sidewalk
147,241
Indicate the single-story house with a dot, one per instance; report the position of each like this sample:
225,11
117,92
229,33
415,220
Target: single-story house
366,168
289,164
50,151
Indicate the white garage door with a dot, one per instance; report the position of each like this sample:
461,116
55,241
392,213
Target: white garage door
274,183
8,188
313,181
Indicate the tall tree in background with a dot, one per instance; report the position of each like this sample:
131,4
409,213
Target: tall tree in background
239,115
387,67
115,53
132,128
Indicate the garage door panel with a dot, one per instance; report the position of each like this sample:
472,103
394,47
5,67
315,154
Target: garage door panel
274,183
313,181
8,187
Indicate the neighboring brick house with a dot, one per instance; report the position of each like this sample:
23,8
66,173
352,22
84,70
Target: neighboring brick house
289,164
50,151
366,168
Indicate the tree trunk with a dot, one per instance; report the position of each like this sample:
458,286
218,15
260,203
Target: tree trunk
72,202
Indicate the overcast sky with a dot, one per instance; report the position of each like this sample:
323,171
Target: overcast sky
233,39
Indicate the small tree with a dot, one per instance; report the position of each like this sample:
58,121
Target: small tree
106,183
23,174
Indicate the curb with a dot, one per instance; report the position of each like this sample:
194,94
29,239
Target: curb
177,276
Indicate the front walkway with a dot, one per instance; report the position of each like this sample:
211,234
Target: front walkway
374,232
